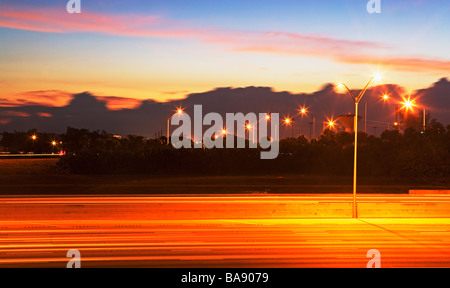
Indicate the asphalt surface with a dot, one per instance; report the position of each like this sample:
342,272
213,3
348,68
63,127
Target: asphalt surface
192,232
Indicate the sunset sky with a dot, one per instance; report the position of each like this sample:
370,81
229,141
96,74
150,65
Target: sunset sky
127,50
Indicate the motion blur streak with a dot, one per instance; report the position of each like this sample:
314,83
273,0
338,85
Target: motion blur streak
140,232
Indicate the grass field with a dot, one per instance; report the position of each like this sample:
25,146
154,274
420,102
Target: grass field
42,176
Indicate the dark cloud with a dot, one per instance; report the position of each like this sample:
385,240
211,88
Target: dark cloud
87,111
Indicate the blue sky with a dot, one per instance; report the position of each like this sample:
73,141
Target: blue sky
166,49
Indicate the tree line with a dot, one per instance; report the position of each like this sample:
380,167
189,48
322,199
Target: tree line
416,154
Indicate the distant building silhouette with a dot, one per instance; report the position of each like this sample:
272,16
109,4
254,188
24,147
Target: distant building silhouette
348,120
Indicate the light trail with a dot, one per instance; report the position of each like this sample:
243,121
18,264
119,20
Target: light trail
35,236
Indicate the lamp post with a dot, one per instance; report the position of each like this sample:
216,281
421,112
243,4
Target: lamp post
385,98
331,125
365,118
409,105
179,112
424,126
290,122
304,111
357,100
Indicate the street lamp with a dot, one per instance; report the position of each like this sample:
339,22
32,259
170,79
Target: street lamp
179,112
250,128
304,111
331,124
357,100
290,122
409,104
385,98
269,118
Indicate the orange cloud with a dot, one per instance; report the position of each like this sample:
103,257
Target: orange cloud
51,98
347,52
56,98
399,63
118,103
5,121
44,115
14,114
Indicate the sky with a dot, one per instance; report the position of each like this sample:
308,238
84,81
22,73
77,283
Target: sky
126,51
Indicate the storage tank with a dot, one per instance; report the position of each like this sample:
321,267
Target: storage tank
348,120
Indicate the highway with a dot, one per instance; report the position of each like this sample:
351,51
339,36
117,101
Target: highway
224,231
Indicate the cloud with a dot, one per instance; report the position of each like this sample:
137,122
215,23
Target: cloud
434,98
52,98
5,121
410,64
14,114
185,92
44,114
58,98
53,20
118,103
90,112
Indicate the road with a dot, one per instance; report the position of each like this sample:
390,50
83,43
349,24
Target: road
247,231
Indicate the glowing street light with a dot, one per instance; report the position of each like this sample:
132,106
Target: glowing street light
53,143
357,100
330,124
385,97
34,137
179,113
376,77
409,104
248,128
304,112
290,122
